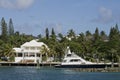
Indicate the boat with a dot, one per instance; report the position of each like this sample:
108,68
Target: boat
72,60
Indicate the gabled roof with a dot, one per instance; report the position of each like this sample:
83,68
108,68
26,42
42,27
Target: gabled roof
33,43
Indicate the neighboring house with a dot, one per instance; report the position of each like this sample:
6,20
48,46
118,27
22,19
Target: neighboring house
29,52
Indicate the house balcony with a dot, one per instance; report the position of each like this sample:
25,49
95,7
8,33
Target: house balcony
27,59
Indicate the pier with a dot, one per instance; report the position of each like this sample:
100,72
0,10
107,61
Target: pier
53,64
29,64
108,68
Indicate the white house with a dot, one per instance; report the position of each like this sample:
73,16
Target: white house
29,52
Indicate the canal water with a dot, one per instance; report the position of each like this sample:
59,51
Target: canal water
47,73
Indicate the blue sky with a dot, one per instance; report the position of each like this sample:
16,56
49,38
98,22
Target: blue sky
33,16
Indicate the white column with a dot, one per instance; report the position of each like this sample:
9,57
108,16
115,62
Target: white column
35,57
23,56
28,54
16,54
40,60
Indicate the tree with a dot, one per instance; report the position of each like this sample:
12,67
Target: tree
43,51
84,46
11,28
60,36
96,35
113,52
4,29
47,33
114,38
53,32
71,33
103,36
53,35
39,36
88,33
7,51
114,33
60,49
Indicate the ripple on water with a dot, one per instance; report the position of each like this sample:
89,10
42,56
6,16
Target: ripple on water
47,73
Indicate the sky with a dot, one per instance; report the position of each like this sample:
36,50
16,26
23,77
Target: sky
34,16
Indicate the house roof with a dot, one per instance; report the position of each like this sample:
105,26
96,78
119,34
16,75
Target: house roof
33,43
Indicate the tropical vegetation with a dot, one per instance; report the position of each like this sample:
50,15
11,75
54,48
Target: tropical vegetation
96,47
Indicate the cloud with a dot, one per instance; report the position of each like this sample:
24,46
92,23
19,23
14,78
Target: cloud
16,4
105,16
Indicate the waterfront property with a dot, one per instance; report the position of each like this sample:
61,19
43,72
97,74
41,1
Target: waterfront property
29,52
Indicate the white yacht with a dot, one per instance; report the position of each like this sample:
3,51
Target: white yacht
72,60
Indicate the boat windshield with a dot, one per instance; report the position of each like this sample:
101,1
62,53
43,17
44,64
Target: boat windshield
68,55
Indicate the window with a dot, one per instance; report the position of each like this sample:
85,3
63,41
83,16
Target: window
31,55
27,48
26,54
75,60
68,55
38,55
38,48
32,48
19,54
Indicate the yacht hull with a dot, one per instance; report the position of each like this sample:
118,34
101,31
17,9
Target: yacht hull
86,66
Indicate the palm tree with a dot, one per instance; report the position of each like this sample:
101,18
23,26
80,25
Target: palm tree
7,51
44,51
52,53
71,33
113,52
11,54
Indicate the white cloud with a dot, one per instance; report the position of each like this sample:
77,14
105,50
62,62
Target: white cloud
16,4
24,3
105,15
6,4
